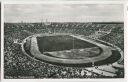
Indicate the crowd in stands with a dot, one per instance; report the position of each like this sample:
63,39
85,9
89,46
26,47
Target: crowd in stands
18,65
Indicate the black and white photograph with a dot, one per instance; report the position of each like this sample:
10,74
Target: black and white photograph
63,41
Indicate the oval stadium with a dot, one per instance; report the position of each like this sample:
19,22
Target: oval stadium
70,50
63,50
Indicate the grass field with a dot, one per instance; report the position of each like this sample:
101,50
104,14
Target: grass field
60,43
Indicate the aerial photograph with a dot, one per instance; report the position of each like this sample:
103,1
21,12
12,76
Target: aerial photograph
63,41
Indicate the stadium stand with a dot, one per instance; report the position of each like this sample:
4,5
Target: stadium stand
18,65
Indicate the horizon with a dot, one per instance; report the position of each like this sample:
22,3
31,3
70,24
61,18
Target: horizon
67,22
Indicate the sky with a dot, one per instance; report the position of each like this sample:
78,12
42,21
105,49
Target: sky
63,12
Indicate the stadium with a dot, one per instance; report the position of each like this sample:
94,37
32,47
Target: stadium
68,49
63,50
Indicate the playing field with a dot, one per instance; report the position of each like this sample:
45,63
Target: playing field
66,46
61,42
